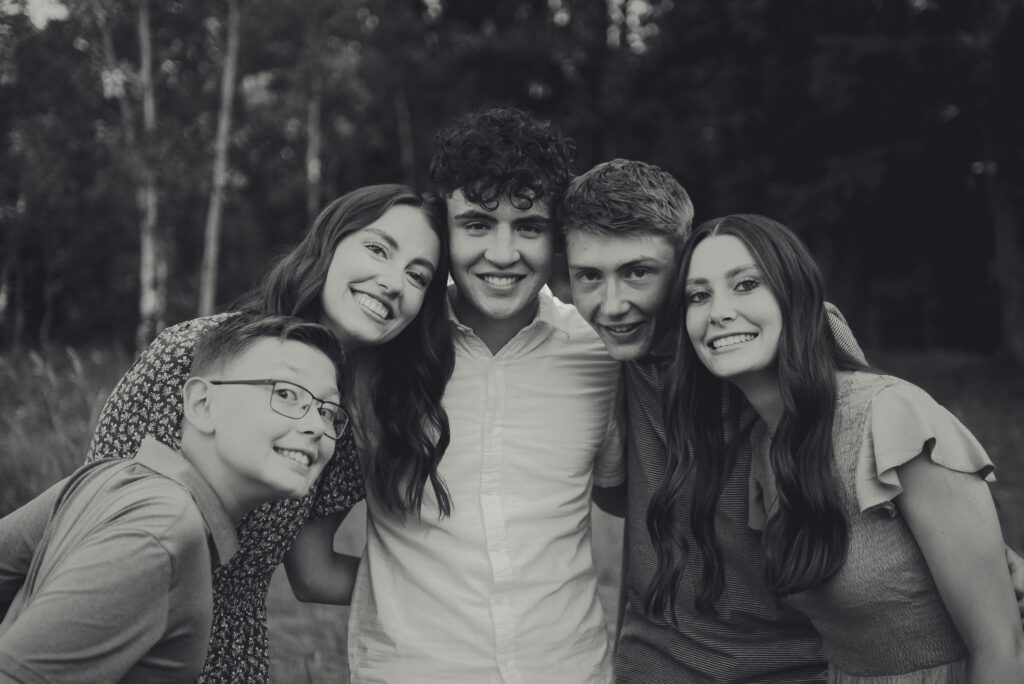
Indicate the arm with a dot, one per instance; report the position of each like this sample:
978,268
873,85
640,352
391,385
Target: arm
953,518
20,533
611,500
316,572
1016,564
98,612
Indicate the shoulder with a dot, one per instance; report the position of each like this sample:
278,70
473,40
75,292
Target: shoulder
567,318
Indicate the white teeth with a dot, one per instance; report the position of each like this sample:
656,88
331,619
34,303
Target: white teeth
622,328
501,281
294,455
731,340
374,305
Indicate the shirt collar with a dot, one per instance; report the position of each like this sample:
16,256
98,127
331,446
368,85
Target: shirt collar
170,463
547,312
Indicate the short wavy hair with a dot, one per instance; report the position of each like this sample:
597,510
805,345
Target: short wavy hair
502,152
623,197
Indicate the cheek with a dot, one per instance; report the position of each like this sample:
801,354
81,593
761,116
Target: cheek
695,326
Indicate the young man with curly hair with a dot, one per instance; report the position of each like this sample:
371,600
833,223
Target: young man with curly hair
504,589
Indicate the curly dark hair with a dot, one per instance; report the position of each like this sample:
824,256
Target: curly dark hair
502,152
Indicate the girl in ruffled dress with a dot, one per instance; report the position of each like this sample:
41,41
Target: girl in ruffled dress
878,522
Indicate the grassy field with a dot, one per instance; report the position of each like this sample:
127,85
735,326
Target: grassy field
51,401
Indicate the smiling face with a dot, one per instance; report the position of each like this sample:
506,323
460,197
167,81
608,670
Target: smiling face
500,259
378,277
732,316
620,284
264,455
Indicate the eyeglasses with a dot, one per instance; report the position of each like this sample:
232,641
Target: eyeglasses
293,401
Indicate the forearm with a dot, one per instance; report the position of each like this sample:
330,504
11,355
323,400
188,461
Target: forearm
316,572
331,582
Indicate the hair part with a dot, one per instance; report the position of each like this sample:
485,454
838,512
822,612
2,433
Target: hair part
805,540
623,197
414,366
499,153
229,339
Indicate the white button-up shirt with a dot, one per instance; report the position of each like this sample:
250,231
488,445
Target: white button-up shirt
504,590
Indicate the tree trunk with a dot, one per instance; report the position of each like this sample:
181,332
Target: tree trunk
152,257
211,249
314,144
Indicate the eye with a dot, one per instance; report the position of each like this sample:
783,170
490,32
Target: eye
329,413
286,393
377,249
697,296
476,227
588,276
531,229
638,273
419,279
747,284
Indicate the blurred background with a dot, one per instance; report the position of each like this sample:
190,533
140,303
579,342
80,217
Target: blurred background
156,155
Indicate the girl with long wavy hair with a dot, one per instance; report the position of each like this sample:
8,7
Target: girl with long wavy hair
877,522
373,269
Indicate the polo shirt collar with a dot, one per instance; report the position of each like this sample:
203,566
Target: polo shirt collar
170,463
547,312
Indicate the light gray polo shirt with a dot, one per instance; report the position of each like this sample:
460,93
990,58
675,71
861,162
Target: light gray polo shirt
107,576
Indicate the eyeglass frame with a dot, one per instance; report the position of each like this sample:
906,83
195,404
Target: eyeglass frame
271,382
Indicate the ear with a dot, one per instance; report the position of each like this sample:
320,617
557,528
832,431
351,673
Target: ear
198,404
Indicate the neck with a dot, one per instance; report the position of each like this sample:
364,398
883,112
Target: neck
205,460
494,332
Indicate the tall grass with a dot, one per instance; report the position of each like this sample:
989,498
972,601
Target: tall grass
48,406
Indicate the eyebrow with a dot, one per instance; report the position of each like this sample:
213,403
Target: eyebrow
477,215
394,245
731,273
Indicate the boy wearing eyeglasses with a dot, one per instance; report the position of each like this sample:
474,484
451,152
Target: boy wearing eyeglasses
107,576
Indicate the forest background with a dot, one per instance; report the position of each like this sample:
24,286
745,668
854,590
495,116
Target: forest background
156,155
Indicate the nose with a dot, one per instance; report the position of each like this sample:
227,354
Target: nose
613,303
721,310
502,249
390,281
311,423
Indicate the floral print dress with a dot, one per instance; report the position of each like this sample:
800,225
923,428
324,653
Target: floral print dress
147,401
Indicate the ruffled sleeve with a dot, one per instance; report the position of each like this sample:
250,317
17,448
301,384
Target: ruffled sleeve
904,422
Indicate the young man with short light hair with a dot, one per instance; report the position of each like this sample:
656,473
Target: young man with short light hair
107,576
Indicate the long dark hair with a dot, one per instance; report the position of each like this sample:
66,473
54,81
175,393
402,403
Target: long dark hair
413,368
805,540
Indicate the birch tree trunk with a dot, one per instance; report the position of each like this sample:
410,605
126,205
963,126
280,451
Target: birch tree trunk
152,253
211,247
314,144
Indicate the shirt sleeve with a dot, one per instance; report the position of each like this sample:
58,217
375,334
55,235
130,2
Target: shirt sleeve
147,400
904,423
610,465
20,533
94,616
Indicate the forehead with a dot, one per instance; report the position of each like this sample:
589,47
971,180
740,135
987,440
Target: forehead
504,211
718,254
405,228
290,360
604,252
